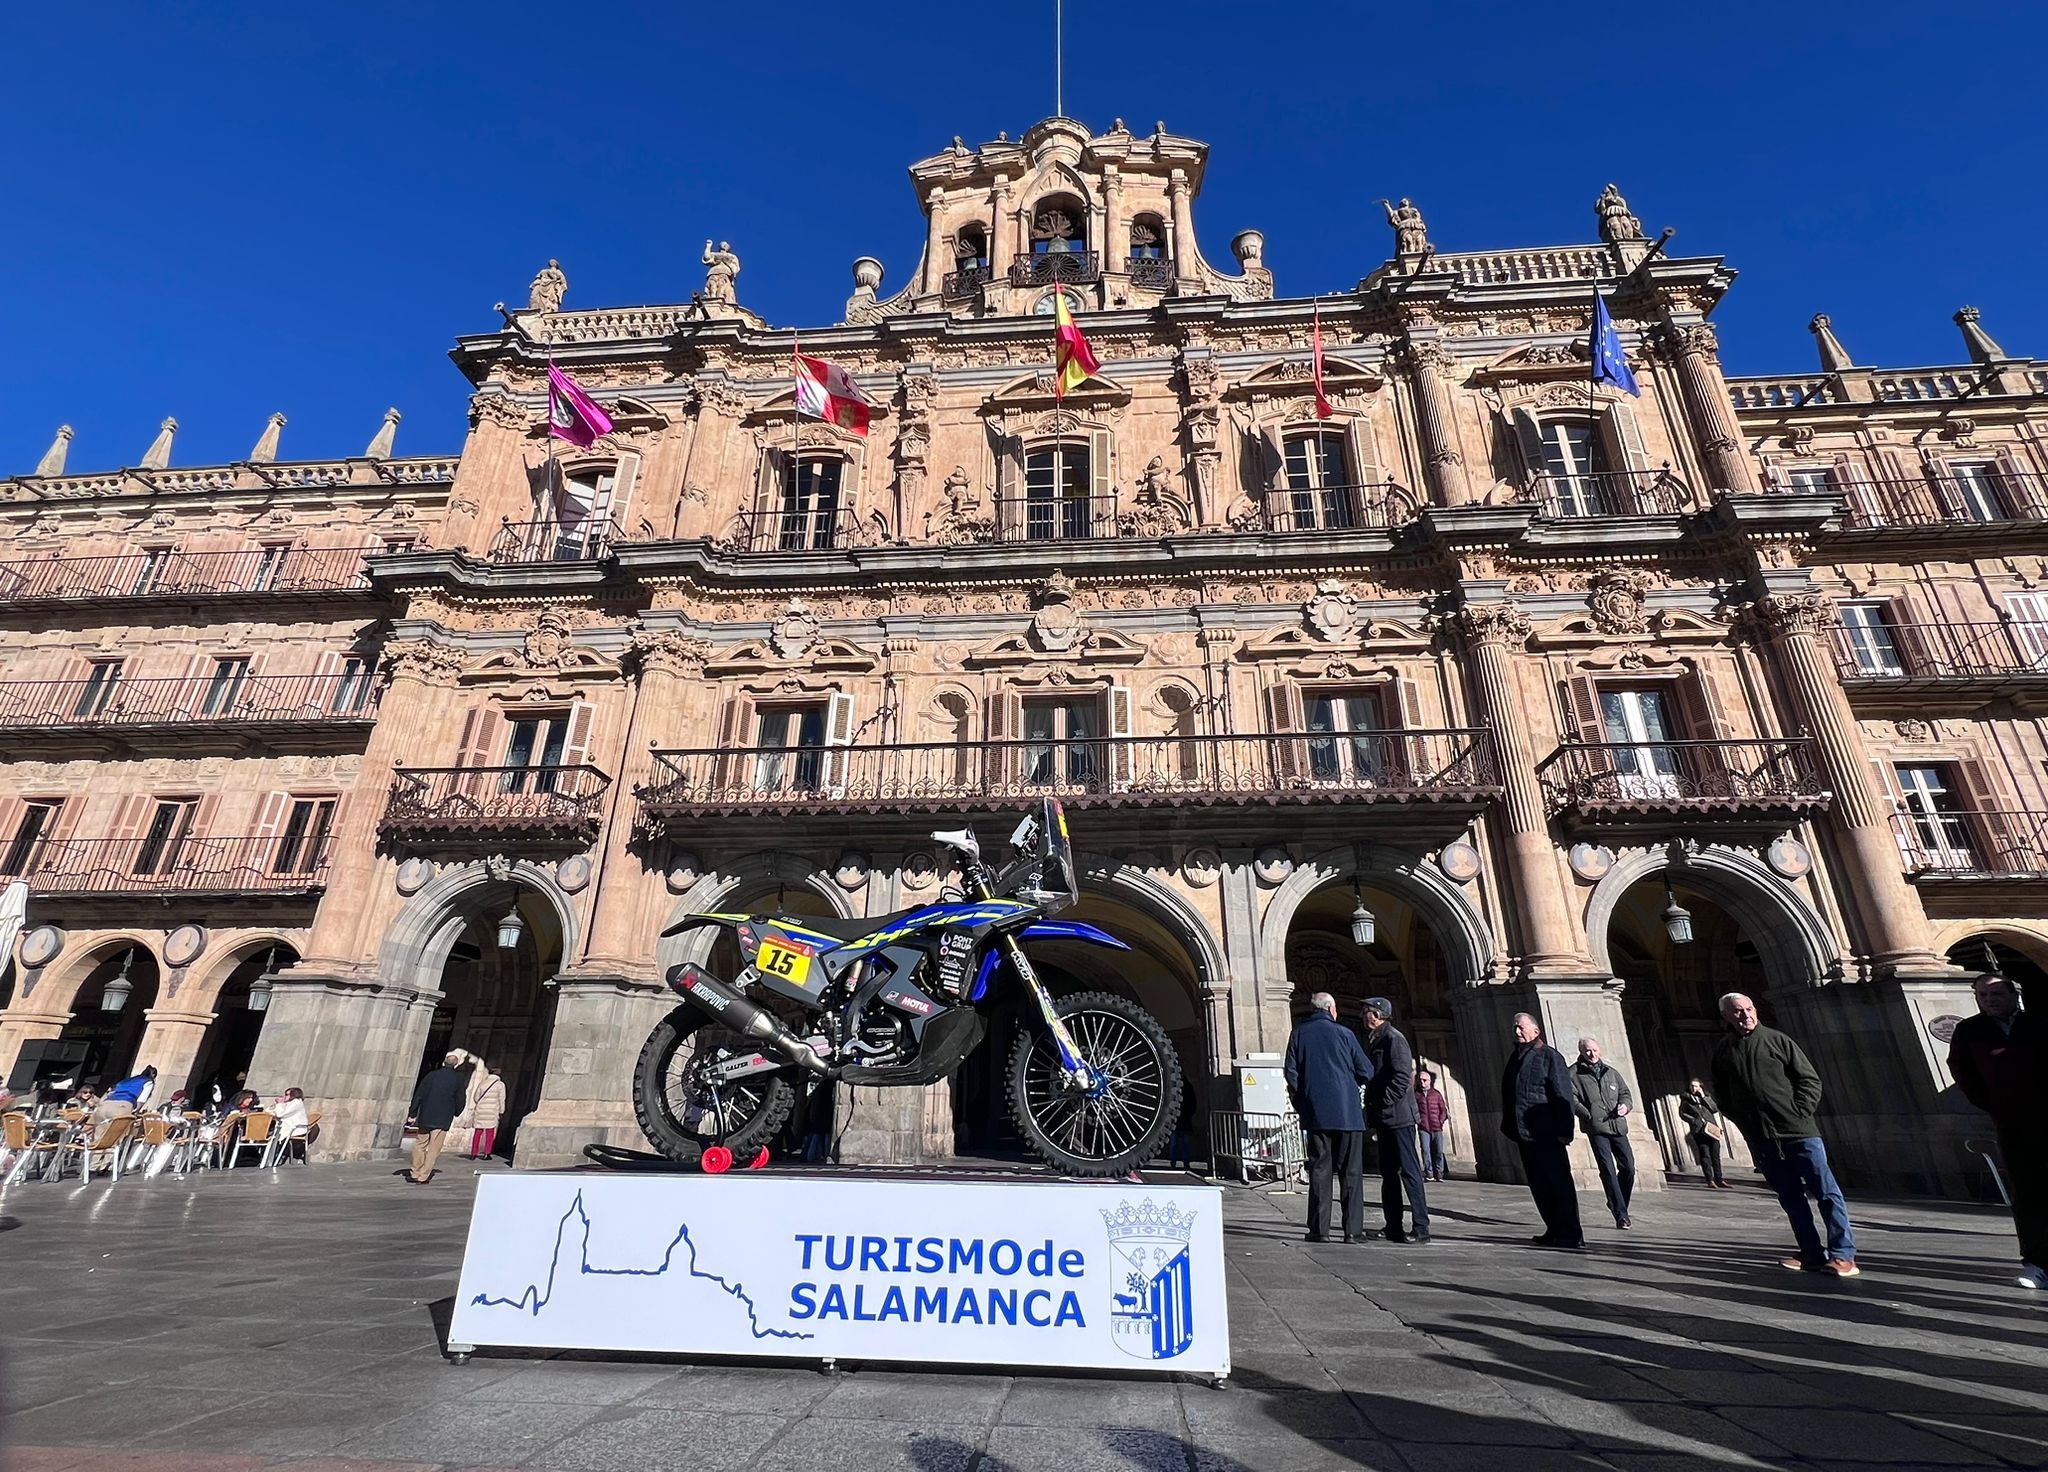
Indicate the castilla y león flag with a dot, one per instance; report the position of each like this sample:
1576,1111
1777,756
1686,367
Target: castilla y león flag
826,391
573,415
1074,361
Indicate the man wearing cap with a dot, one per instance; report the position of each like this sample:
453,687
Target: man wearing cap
1390,1112
1325,1070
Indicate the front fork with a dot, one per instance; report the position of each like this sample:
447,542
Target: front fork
1079,1074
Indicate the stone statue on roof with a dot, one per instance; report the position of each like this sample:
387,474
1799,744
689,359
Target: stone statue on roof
1616,223
721,267
1411,236
548,289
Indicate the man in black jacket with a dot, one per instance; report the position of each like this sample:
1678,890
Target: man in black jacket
1536,1113
2000,1061
1769,1087
1601,1100
1325,1069
1390,1112
435,1103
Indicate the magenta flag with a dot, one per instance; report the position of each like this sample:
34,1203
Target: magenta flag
573,415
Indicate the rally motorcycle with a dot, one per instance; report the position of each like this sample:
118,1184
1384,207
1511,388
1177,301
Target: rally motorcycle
1093,1082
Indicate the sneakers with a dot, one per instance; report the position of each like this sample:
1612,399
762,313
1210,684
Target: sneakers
1843,1267
1795,1264
2033,1277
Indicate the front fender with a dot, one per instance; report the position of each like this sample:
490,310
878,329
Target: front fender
1072,930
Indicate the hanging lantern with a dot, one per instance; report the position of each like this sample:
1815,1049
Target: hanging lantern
1362,919
1677,919
114,995
259,989
510,929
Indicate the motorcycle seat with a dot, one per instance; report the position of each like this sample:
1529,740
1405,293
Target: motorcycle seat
851,927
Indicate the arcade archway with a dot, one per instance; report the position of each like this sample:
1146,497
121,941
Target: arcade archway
228,1046
109,1013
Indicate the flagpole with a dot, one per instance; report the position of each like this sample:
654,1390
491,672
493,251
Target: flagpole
1059,58
548,475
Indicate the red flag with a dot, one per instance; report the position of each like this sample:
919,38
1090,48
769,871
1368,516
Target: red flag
826,391
573,415
1323,409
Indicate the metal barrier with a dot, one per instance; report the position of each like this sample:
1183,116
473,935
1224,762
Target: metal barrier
1985,1149
1258,1149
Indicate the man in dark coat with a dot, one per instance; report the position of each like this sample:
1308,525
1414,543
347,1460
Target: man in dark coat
1390,1113
2000,1062
435,1103
1536,1113
1602,1102
1325,1070
1769,1087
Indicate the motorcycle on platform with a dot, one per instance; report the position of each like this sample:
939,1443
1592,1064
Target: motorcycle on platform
899,1000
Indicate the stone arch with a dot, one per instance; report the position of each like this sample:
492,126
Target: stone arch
205,977
416,947
1181,919
60,992
768,866
1791,938
2028,939
1467,944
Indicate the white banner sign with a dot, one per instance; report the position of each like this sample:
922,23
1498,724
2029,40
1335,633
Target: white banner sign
823,1267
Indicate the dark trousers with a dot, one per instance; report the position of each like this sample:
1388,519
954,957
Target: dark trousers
2025,1148
1796,1169
1548,1165
1342,1153
1617,1162
1401,1168
1708,1149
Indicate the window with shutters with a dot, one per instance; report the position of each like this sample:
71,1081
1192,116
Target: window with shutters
1639,723
353,684
224,689
1347,742
583,512
1057,504
807,520
1318,481
170,827
103,677
149,571
1868,635
791,748
1064,746
31,835
304,839
1809,480
2026,614
270,558
1980,490
1933,800
533,753
1575,462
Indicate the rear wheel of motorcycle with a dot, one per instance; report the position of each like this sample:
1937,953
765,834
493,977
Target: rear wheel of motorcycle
1117,1130
680,1114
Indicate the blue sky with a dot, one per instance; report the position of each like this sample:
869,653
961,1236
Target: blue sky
220,211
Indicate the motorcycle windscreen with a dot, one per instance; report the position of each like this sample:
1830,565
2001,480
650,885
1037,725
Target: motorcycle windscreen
1044,872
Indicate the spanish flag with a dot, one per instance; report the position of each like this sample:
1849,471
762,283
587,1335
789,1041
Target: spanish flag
1073,360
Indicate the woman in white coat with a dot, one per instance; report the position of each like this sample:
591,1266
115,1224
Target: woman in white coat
485,1107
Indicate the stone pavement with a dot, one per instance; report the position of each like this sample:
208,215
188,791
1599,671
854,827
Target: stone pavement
255,1320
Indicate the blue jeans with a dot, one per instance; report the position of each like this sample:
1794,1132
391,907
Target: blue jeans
1793,1168
1433,1161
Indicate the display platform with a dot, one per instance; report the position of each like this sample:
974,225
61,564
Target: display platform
1103,1275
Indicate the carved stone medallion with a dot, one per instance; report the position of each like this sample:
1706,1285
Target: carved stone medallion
41,945
1273,864
413,875
183,945
1459,860
684,870
1788,857
573,873
1591,861
1201,867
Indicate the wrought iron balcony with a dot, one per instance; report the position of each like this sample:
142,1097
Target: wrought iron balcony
1611,493
1627,781
811,529
1901,656
1055,268
496,805
174,575
956,286
86,867
1414,766
1934,501
1974,843
1379,506
1043,519
199,700
1153,273
555,541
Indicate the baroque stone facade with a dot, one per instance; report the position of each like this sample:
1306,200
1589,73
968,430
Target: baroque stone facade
1516,662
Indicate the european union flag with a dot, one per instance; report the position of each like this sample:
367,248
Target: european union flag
1610,364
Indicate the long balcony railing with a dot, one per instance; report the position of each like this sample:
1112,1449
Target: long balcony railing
1390,766
797,529
1379,506
1900,653
1974,843
1620,778
165,574
1611,493
1055,267
1153,273
199,700
132,866
546,804
1040,519
555,541
1936,500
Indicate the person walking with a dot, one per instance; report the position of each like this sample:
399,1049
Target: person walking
485,1107
1432,1114
1704,1132
435,1103
2000,1062
1602,1102
1536,1113
1769,1087
1390,1111
1325,1069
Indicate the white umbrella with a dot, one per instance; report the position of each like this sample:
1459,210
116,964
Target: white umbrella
13,911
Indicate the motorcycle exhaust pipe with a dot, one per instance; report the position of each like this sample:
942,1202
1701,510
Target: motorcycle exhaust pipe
694,984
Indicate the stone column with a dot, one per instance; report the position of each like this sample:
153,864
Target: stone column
1113,256
1436,424
1549,940
1894,923
936,261
1697,350
170,1040
1183,226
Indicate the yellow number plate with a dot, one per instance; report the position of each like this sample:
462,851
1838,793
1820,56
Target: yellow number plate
787,959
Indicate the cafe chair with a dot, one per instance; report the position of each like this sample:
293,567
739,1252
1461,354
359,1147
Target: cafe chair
89,1147
255,1136
281,1149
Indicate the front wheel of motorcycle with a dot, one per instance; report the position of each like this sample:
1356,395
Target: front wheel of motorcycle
1116,1125
682,1109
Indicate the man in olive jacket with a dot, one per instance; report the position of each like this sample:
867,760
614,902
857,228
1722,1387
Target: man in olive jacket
2000,1061
1602,1102
1325,1070
1768,1086
1536,1113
